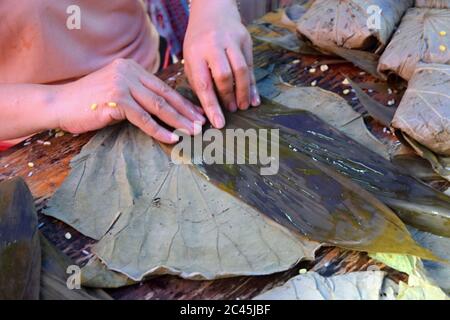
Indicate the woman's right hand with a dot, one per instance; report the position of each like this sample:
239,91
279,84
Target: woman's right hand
123,90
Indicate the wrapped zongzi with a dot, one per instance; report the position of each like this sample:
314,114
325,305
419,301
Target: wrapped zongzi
352,24
438,4
423,35
424,112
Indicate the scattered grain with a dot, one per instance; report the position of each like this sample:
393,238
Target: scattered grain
324,68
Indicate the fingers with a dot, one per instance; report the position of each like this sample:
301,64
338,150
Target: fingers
223,78
141,119
247,49
176,100
200,78
241,76
159,107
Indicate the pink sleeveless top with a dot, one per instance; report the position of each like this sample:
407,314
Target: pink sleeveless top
40,41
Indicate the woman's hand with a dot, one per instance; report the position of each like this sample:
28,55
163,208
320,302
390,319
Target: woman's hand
218,55
124,90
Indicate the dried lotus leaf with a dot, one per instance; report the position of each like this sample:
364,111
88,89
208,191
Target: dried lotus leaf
153,217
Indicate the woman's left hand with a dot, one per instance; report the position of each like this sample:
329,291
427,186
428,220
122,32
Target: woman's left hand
219,59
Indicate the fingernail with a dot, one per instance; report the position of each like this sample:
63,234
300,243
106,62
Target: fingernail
200,118
219,121
200,110
174,137
244,106
197,128
256,100
232,107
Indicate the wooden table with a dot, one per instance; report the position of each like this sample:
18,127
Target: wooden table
51,167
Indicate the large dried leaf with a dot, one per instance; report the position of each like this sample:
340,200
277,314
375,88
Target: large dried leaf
418,39
344,23
306,194
424,112
368,285
438,4
314,148
154,217
20,253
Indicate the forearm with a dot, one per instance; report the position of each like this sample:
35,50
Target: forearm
26,109
226,7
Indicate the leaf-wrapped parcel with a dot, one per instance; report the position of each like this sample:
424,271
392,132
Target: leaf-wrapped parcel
423,36
424,112
438,4
348,23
